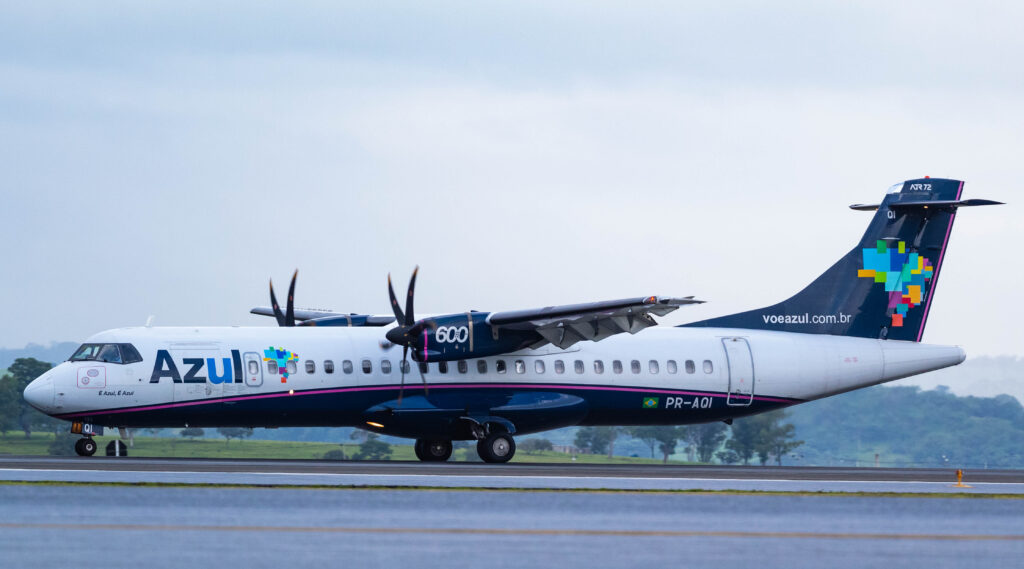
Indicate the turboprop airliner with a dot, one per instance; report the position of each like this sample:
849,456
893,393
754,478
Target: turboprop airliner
489,376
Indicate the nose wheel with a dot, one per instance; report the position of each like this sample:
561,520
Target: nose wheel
433,451
496,448
85,447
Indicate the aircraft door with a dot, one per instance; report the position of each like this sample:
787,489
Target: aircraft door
741,371
253,364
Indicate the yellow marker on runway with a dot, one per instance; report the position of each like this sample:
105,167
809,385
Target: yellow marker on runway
960,480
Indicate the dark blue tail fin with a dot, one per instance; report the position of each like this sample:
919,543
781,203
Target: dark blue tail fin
885,286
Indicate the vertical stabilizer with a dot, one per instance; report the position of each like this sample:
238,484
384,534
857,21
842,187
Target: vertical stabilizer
885,286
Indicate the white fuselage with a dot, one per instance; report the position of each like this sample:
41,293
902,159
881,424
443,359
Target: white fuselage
675,362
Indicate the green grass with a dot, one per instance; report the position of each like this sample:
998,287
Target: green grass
38,444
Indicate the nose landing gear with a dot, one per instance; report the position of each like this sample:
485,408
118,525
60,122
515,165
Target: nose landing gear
85,446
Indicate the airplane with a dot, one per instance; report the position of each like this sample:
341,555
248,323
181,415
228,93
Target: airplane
491,376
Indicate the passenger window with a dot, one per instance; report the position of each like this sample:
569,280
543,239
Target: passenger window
616,366
310,367
367,366
598,366
110,354
385,366
690,367
130,354
481,366
670,366
291,366
653,366
520,366
329,366
254,367
500,366
346,366
424,368
272,367
559,366
708,368
442,367
404,366
463,366
577,366
634,366
538,366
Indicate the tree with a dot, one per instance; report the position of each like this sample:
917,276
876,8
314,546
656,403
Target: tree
647,435
533,446
706,439
594,440
664,437
764,435
234,433
744,438
192,432
776,438
22,372
10,406
373,449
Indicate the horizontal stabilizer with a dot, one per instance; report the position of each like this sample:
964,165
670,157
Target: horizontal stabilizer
925,203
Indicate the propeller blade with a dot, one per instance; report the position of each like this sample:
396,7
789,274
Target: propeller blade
276,307
399,315
409,318
401,388
424,380
289,315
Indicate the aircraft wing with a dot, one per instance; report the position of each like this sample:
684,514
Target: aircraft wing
328,318
565,325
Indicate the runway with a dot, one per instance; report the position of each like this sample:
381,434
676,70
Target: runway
157,526
507,476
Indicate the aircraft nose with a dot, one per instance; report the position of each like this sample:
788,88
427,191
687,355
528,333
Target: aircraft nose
39,393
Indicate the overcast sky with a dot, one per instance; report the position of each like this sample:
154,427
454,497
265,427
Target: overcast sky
169,158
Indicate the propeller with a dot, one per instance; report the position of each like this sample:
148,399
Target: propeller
288,318
407,330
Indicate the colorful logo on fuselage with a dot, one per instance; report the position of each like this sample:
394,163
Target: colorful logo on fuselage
281,357
650,403
904,276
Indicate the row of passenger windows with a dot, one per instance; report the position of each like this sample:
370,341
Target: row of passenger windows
653,366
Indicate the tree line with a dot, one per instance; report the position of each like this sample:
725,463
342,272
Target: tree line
765,437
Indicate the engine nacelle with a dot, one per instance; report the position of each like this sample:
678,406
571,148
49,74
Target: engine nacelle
465,336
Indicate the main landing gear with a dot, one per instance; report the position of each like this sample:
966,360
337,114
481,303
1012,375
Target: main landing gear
496,447
433,450
85,446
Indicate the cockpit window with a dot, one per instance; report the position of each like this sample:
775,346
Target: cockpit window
86,352
108,353
130,354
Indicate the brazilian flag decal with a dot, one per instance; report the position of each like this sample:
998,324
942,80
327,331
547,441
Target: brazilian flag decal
650,403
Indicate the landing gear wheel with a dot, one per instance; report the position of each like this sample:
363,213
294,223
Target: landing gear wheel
85,447
433,451
496,448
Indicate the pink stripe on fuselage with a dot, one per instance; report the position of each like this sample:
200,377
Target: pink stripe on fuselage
437,386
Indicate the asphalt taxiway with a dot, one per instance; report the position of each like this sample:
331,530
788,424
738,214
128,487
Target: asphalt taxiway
159,526
507,476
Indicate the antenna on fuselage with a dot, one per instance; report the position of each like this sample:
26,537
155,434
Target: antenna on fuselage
149,321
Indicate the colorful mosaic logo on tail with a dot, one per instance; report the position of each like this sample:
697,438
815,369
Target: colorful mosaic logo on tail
281,357
904,275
